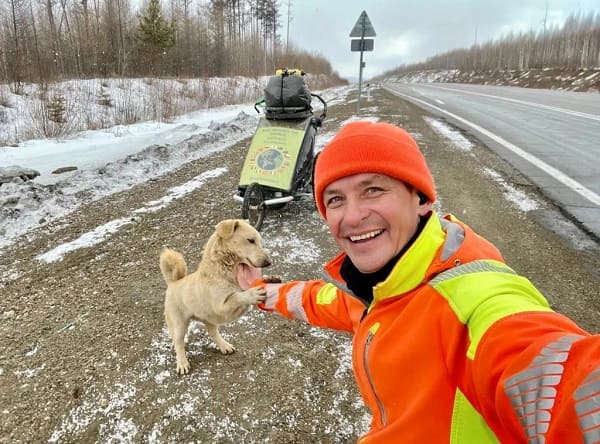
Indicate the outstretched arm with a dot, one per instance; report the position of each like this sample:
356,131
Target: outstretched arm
543,378
314,302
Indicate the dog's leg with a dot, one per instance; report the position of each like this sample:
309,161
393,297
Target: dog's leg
225,347
177,329
238,303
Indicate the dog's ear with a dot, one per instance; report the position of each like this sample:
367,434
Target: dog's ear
226,228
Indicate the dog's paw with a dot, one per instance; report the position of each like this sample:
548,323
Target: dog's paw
226,348
272,279
183,366
256,295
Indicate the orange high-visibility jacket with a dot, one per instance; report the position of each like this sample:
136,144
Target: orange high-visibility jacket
458,348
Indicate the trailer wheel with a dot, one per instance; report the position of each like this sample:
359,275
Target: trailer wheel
253,207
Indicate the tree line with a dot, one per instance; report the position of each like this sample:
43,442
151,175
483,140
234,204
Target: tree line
574,45
49,40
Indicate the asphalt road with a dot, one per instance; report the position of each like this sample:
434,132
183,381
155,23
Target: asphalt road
550,136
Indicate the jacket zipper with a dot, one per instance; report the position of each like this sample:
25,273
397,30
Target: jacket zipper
382,413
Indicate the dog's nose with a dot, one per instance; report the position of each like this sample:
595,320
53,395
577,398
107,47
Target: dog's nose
266,262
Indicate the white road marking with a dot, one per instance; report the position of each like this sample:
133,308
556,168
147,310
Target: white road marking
523,102
550,170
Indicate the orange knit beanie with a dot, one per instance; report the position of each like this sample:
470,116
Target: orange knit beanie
368,147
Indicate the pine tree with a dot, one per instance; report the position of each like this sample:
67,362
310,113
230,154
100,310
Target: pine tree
104,98
57,109
154,33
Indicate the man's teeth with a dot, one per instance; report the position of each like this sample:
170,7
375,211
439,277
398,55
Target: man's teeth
364,236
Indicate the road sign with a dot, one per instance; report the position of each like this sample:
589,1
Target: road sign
363,27
361,44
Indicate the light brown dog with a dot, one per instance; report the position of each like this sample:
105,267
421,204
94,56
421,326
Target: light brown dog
212,294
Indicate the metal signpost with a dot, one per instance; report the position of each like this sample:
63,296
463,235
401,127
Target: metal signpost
362,29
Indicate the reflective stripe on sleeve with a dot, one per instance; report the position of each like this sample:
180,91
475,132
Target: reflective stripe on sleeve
272,295
294,302
292,297
479,266
532,392
587,407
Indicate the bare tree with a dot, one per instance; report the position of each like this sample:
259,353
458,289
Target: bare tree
54,38
48,40
574,45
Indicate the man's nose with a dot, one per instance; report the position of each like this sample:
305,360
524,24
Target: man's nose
356,210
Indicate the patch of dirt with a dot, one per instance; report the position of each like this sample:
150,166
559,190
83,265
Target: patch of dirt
85,356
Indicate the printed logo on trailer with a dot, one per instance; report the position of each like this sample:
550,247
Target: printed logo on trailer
270,160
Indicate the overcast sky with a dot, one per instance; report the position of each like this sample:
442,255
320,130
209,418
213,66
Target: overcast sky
409,31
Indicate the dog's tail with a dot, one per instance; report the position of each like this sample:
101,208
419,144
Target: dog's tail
172,265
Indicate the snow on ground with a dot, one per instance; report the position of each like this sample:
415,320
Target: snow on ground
94,149
429,76
516,197
584,79
111,161
456,138
103,231
61,109
34,204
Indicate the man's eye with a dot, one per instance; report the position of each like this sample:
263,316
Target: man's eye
333,202
374,190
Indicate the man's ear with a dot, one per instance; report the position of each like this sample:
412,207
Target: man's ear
226,228
425,208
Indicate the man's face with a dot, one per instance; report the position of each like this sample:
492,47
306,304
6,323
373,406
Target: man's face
372,217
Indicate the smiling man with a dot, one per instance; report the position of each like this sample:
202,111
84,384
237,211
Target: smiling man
450,345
